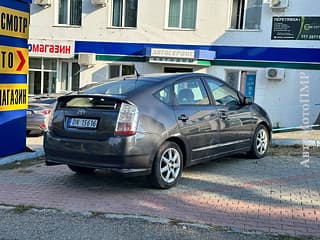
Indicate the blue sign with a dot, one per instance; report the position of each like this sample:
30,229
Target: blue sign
250,85
14,32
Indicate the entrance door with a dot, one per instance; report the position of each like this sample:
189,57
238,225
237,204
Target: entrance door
34,82
244,81
248,83
70,75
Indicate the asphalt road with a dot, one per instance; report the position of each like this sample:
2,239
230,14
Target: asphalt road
18,223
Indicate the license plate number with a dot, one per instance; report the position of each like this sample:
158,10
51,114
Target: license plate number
82,123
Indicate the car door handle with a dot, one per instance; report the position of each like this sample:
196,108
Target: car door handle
223,115
183,118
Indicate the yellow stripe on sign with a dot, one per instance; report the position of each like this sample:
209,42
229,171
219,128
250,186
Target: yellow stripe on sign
14,23
13,60
13,97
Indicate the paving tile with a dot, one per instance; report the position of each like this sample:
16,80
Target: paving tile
274,195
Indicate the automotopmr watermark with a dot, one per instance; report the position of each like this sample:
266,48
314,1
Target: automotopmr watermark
305,109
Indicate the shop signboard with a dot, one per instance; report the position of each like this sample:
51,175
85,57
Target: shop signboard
295,28
14,32
51,48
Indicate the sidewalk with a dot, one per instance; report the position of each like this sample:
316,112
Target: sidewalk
301,137
35,150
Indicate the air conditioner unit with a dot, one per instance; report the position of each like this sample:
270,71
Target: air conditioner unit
87,59
45,3
99,2
275,73
279,4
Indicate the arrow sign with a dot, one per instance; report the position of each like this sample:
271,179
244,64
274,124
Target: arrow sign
22,61
13,60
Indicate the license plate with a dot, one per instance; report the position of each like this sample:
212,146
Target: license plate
82,123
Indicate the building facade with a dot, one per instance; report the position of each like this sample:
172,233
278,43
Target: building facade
268,49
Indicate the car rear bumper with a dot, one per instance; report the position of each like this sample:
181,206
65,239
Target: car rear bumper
38,123
126,155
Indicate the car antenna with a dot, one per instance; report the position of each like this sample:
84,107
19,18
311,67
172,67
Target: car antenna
137,73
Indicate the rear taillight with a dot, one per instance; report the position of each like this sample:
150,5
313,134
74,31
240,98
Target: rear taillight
44,111
127,120
49,119
43,126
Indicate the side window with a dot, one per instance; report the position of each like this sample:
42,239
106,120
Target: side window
190,92
223,94
164,95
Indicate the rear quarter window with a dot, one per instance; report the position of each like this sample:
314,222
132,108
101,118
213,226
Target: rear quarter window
164,95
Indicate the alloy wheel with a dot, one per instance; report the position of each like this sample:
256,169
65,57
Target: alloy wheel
170,164
262,141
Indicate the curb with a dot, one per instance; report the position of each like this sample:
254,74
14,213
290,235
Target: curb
38,152
291,142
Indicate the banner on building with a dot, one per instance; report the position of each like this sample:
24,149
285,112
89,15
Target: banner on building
295,28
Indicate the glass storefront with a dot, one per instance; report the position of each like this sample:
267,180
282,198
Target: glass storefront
47,75
42,75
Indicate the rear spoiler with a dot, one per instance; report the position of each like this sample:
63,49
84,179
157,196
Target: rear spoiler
111,97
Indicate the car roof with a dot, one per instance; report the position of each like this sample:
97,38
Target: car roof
146,81
159,77
153,78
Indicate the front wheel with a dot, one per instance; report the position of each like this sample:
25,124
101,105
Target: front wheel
261,142
81,170
167,167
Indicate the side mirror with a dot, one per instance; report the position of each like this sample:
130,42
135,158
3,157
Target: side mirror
247,101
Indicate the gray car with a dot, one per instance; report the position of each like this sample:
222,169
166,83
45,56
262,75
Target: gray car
38,113
154,125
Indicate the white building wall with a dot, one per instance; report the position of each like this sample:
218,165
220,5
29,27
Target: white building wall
151,24
279,98
262,37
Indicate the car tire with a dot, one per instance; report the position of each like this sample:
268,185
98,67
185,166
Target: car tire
167,166
260,142
81,170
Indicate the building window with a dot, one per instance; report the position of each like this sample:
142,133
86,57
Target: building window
124,13
70,12
120,70
176,70
232,77
182,14
42,75
246,14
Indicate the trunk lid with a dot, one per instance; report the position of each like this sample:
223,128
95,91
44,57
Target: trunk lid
86,116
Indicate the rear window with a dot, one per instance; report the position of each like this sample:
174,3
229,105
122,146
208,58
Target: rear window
88,102
116,88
